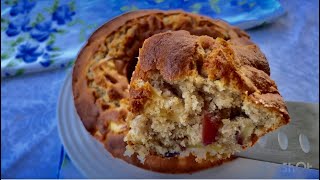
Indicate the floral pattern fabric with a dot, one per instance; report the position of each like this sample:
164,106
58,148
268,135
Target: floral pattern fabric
46,34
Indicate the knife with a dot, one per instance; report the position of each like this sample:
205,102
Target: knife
296,144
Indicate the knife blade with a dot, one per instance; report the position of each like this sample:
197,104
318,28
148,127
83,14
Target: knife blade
296,144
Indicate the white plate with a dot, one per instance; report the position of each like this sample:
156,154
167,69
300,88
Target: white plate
90,157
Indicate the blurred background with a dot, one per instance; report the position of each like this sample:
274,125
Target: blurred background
40,41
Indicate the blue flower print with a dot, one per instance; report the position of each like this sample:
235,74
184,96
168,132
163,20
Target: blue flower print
49,48
12,30
62,14
29,52
16,26
42,31
46,60
22,7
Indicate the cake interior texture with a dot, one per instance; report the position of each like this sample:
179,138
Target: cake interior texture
197,114
178,115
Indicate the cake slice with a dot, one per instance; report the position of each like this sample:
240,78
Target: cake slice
196,96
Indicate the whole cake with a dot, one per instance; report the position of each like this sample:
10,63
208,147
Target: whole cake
196,96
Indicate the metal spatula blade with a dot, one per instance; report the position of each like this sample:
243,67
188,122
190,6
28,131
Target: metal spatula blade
295,144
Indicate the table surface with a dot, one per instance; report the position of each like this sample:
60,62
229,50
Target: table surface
30,145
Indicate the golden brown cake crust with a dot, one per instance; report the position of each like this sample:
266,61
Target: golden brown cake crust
94,80
242,65
170,53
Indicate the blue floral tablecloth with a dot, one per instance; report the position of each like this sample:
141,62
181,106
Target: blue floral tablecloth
46,35
43,35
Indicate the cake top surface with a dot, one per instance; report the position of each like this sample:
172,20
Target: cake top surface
178,55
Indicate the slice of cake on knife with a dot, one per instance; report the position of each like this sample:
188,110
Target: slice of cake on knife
201,97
